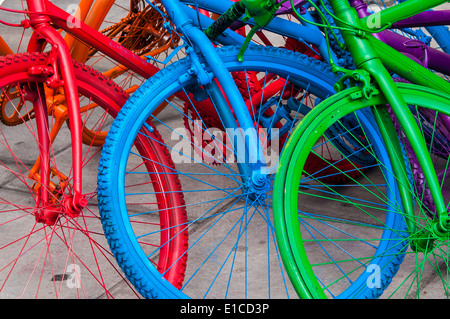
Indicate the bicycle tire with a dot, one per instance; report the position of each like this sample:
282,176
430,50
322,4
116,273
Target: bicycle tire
216,208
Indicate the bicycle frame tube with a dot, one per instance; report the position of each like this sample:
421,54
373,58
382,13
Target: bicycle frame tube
309,34
87,34
225,80
435,59
407,68
4,48
425,19
422,19
366,58
400,12
93,19
81,13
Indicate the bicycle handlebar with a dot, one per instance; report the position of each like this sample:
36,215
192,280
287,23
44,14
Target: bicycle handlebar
262,12
230,16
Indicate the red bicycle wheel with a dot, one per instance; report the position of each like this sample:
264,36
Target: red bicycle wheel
45,250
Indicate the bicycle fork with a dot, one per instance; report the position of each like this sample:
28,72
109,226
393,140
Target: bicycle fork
60,64
224,92
366,59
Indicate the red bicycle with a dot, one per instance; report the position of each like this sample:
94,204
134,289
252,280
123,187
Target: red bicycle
52,241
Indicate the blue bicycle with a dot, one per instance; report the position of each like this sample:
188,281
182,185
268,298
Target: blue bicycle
219,228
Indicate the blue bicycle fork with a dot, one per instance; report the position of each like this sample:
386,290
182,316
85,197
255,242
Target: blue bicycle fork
241,120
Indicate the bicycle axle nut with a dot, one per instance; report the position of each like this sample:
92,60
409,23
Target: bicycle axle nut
74,205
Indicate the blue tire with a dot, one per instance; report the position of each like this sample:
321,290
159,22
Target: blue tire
232,249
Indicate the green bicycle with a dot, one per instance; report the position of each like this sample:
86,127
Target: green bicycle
361,238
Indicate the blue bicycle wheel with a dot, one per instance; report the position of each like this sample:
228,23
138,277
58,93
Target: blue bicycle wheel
232,251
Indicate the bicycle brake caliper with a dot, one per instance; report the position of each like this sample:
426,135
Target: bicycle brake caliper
355,76
53,80
197,70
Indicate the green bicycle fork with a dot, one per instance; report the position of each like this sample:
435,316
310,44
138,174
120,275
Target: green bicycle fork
366,58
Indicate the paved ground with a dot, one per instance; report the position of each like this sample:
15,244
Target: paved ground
120,289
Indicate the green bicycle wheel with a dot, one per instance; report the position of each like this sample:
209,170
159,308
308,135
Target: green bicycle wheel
349,240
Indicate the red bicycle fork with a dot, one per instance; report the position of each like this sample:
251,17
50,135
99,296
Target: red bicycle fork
63,75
